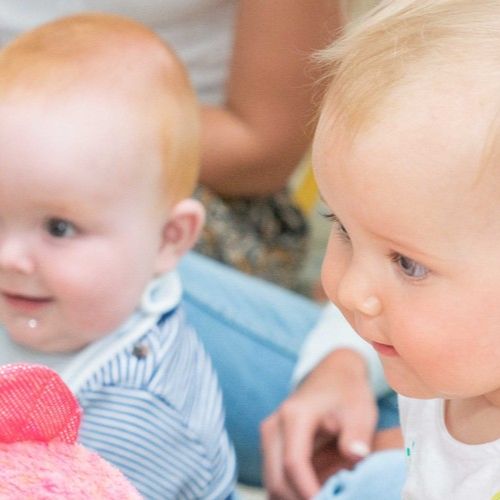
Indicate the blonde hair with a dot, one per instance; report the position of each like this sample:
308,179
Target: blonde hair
398,39
112,56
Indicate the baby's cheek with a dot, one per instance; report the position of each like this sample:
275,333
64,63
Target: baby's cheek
333,267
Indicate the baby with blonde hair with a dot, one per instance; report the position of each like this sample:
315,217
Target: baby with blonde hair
99,155
406,158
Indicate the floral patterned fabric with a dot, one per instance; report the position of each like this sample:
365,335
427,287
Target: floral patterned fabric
265,236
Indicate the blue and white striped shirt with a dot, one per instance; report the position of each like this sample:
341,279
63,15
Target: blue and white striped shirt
155,411
152,406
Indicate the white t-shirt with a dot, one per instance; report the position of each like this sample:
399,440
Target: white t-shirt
439,466
200,31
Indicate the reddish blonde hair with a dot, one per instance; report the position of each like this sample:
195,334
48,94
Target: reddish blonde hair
112,55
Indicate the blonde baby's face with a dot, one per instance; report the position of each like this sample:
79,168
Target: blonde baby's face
80,224
413,258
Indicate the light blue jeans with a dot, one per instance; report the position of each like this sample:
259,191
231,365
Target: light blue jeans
253,330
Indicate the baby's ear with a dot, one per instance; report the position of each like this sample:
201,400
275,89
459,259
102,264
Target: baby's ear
180,233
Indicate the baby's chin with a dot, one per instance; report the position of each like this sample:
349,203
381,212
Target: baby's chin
409,386
51,335
416,394
38,341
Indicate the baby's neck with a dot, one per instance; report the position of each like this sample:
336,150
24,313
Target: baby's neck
473,420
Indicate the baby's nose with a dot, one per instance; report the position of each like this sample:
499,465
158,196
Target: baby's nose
357,293
15,255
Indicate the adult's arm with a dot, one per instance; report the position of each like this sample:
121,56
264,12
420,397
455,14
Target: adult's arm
329,421
251,145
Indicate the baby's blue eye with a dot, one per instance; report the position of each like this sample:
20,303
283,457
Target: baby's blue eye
410,267
60,228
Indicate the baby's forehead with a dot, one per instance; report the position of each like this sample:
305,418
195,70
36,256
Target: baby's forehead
425,131
107,73
115,82
406,172
454,103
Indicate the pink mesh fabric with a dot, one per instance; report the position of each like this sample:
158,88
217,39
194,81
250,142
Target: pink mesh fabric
36,405
39,456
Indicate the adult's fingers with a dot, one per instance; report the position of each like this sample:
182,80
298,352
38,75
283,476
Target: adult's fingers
300,426
273,470
357,419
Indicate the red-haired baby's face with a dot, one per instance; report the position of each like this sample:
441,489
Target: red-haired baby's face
80,227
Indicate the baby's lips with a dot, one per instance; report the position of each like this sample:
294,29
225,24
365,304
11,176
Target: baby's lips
36,405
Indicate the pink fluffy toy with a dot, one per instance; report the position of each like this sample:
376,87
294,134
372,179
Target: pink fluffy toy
39,456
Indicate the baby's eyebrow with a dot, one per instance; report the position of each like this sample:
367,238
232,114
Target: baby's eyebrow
410,250
398,245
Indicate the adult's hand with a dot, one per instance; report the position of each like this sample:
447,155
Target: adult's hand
326,424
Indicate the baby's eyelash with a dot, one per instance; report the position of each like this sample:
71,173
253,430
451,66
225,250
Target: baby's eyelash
330,216
410,268
342,231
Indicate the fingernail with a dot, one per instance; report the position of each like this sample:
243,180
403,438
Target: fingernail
359,448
